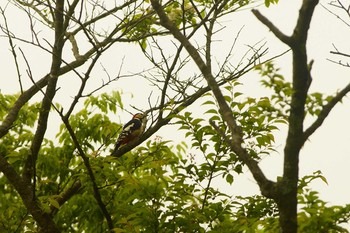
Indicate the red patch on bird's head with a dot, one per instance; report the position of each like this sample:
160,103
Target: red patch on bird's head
138,116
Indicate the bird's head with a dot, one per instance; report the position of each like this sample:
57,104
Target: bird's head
138,116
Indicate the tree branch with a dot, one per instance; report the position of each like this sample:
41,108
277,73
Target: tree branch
324,112
82,86
13,51
267,187
29,168
285,39
303,24
182,104
225,110
82,154
286,196
32,204
66,195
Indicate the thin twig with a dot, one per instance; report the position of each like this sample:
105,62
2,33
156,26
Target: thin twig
13,51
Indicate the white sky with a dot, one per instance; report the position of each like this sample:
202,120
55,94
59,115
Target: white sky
327,150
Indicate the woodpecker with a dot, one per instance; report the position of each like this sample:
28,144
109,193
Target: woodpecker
131,130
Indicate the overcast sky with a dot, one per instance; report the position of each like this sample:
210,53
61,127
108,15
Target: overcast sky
327,150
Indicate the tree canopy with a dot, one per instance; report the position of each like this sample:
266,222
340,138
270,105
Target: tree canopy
57,170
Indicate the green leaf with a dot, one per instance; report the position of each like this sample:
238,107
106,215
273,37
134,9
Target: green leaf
54,203
229,178
196,121
323,179
208,102
213,111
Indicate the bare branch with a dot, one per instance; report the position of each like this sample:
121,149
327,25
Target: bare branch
303,24
225,110
340,53
50,93
82,86
182,104
337,16
325,111
285,39
9,36
31,5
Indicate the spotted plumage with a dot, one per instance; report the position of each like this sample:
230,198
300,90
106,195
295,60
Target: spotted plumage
131,130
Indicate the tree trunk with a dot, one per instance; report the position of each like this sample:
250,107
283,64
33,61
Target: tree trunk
287,206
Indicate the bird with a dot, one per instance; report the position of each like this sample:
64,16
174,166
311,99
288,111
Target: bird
131,131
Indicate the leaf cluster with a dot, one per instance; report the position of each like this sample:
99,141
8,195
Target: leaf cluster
283,91
157,187
316,215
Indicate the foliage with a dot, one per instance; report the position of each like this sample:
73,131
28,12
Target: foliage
70,183
316,215
282,93
159,187
268,2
